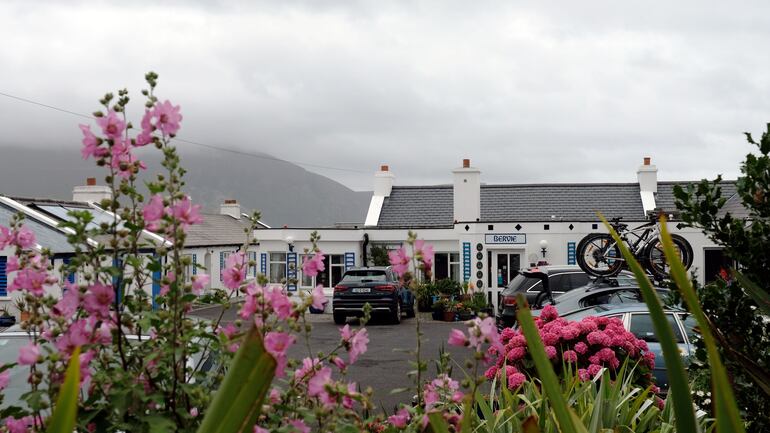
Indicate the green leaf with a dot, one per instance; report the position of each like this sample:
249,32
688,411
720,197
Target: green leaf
759,295
237,403
66,410
677,376
564,415
727,414
437,422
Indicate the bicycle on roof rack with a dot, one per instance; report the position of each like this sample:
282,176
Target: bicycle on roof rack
598,254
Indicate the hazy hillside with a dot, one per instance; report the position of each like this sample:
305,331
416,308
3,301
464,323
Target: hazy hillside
286,193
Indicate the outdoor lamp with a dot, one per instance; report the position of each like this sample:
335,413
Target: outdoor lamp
543,246
290,240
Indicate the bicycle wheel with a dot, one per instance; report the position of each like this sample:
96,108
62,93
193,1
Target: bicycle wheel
598,255
656,261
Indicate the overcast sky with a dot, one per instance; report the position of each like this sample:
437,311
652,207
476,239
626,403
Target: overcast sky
531,92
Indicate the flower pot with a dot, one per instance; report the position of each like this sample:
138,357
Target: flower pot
438,315
24,316
449,316
465,316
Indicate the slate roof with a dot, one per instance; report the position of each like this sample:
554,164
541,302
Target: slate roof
217,230
45,235
432,207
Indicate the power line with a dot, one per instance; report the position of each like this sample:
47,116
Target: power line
195,143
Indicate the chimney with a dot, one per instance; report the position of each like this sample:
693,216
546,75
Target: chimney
231,207
647,175
467,193
383,181
91,192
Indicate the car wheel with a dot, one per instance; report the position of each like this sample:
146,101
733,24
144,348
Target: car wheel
339,319
395,317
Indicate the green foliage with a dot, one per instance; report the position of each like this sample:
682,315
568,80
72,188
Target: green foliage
66,410
379,255
735,306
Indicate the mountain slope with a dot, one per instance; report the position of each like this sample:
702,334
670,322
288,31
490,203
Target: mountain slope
285,193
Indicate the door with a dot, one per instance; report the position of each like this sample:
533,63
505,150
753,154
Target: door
502,269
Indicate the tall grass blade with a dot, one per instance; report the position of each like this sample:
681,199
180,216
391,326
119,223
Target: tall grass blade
239,398
568,421
66,411
727,414
677,376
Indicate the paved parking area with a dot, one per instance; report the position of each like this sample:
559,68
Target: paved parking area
384,367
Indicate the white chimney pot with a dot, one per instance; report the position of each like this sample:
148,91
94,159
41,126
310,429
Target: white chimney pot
91,192
467,193
232,208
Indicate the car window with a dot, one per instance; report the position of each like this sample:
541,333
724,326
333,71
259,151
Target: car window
689,325
611,297
577,279
626,280
520,283
364,276
641,327
557,283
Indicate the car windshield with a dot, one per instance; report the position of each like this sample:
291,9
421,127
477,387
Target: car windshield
364,276
521,283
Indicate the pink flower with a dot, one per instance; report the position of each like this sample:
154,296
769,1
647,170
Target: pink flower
24,238
570,356
424,253
583,374
186,212
275,396
235,270
515,380
594,369
12,265
339,362
20,425
457,338
29,354
598,337
167,118
316,386
32,280
550,351
516,353
318,297
299,426
549,338
5,237
399,261
549,313
112,125
145,137
356,342
491,372
276,344
91,144
4,378
124,161
99,299
153,211
308,366
199,282
194,412
311,266
280,303
69,301
400,419
581,348
258,429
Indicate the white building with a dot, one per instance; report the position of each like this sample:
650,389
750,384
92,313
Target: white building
482,233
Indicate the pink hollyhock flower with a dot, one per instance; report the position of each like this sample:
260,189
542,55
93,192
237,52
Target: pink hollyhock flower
12,265
274,396
125,162
69,302
457,338
318,297
311,266
339,362
424,252
99,299
145,137
91,144
258,429
32,280
316,386
186,212
228,331
29,354
235,270
85,363
112,125
308,366
280,303
165,288
77,334
347,400
515,380
199,282
20,425
299,426
24,238
167,117
550,351
356,342
5,237
153,211
249,307
276,344
400,419
4,378
399,261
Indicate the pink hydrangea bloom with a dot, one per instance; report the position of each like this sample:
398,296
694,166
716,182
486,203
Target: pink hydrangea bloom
594,369
112,125
399,260
581,348
400,419
550,351
99,299
457,338
570,356
549,313
29,354
491,372
313,265
186,212
516,353
199,282
166,118
515,380
276,344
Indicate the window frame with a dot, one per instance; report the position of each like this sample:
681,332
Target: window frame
271,263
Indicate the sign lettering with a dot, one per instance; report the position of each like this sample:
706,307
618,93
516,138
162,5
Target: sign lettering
505,238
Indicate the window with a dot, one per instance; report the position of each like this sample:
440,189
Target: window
66,277
334,267
576,279
447,265
277,268
641,327
365,276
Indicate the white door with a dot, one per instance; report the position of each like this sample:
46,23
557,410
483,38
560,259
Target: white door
502,269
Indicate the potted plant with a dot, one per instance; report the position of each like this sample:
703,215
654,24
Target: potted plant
450,312
438,309
21,306
425,294
6,318
465,311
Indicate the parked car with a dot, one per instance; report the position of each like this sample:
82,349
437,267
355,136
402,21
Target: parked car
377,286
561,279
636,318
590,295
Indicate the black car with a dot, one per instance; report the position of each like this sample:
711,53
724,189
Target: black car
561,279
377,286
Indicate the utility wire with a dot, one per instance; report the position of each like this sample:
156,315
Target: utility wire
196,143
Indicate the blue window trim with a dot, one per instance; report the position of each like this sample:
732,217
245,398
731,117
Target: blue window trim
3,276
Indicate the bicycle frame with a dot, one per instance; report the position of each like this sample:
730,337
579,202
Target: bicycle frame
650,232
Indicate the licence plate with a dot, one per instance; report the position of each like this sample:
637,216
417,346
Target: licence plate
361,290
